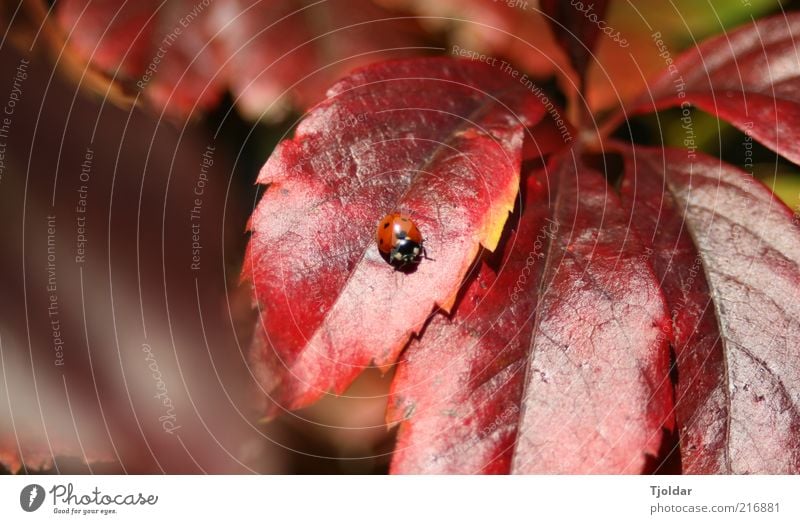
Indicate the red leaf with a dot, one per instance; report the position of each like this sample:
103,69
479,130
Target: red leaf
457,390
593,390
734,301
547,138
163,50
183,54
289,52
517,33
436,139
749,77
576,28
597,395
115,35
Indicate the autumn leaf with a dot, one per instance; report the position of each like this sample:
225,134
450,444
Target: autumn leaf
456,391
749,77
552,363
727,253
116,36
516,33
598,392
286,54
437,139
160,51
274,56
576,28
643,36
625,55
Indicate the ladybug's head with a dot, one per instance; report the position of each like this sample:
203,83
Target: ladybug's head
405,252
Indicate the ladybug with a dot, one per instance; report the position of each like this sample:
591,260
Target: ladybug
399,238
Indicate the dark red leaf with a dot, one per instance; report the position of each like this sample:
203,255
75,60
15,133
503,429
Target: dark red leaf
457,389
436,139
584,387
161,50
576,26
115,35
749,77
517,33
548,137
290,52
728,255
597,392
183,54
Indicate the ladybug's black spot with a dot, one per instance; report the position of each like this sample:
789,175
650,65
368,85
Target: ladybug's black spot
381,241
385,225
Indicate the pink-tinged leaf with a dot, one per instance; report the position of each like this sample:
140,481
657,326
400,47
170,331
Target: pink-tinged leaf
749,77
437,139
457,389
288,53
576,28
164,51
557,361
728,254
700,389
182,55
518,34
598,391
548,137
115,35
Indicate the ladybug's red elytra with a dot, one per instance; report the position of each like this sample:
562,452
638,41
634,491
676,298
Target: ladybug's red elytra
400,239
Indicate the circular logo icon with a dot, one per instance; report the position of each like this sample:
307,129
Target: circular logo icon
31,497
